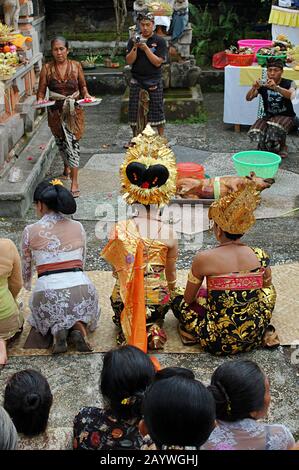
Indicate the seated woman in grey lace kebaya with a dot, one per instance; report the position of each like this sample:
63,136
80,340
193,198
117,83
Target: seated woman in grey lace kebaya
242,395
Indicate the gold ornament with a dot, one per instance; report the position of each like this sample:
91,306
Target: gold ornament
149,149
234,213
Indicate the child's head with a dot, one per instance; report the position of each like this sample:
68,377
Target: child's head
178,411
126,373
171,371
28,399
240,390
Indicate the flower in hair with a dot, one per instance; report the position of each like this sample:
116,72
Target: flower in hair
56,182
125,401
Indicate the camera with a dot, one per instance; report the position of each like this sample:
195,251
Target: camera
139,39
262,82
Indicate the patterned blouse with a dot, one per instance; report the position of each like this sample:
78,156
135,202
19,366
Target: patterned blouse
98,429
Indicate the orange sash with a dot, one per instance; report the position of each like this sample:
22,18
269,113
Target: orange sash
133,316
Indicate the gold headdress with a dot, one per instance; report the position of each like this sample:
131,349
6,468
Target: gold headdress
234,213
148,173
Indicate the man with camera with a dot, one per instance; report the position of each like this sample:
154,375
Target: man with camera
146,52
278,120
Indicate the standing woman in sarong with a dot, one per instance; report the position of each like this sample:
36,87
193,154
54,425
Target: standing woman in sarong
66,82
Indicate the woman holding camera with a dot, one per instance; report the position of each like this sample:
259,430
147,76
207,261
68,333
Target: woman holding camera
278,120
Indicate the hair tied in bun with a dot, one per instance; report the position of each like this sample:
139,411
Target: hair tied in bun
56,182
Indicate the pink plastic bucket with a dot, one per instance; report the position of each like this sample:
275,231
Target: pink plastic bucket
255,44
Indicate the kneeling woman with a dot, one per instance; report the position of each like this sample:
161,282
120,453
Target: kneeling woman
63,298
232,314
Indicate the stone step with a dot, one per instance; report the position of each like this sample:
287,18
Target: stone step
33,162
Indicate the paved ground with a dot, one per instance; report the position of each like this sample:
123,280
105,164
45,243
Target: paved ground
78,375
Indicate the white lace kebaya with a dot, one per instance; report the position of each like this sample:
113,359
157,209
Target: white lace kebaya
249,434
58,300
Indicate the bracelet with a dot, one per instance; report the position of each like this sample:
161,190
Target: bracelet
171,282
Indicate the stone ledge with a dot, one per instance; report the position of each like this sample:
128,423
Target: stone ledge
16,198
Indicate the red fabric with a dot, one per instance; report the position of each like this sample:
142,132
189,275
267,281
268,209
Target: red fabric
219,60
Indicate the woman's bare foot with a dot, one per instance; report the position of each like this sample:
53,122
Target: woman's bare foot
3,353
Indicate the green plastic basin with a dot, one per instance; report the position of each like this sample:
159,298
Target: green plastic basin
264,164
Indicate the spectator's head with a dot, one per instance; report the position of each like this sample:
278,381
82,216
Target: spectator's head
8,433
146,24
51,195
60,49
127,371
178,411
171,371
275,69
240,390
28,399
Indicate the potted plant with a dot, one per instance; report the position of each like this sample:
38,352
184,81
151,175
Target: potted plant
90,61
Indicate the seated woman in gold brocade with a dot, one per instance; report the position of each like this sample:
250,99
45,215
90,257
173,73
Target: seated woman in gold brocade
143,250
233,313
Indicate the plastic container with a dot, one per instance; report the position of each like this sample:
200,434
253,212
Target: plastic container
262,59
190,170
255,44
240,60
264,164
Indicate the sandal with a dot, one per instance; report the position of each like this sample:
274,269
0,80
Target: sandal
76,193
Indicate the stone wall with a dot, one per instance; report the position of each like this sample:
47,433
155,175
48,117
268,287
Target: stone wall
77,15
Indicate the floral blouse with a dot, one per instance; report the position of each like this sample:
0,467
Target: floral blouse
98,429
53,239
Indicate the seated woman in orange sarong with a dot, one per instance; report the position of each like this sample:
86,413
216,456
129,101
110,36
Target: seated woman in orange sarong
232,312
143,250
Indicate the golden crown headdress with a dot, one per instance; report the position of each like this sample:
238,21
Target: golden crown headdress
148,173
234,213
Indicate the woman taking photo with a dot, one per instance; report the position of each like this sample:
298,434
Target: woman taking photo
65,80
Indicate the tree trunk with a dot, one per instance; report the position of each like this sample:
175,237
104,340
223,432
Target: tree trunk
121,12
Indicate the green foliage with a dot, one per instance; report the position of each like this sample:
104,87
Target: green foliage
93,59
212,34
200,118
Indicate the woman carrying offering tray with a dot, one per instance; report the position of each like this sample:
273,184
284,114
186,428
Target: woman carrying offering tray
66,82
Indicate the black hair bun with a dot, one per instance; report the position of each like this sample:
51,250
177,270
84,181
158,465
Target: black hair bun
55,197
32,401
147,177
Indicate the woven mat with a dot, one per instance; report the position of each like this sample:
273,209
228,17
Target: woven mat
285,317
